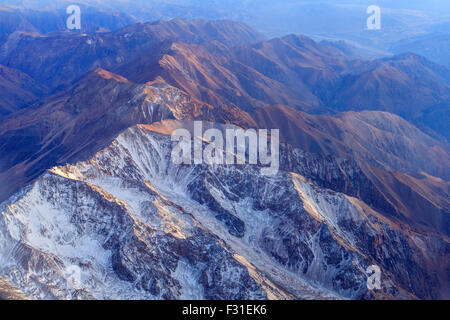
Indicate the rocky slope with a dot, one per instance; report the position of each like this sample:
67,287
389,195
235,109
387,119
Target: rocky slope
18,90
75,123
279,71
379,138
138,226
8,292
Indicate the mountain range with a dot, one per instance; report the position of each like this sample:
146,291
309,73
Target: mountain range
216,67
87,180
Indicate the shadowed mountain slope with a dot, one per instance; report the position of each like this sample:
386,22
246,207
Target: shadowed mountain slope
77,122
18,90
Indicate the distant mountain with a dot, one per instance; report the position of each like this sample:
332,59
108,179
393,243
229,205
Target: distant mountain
279,71
353,50
434,46
437,118
14,18
379,138
344,19
227,63
298,72
73,55
219,69
387,84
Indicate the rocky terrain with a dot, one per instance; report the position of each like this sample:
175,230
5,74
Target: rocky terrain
93,207
139,226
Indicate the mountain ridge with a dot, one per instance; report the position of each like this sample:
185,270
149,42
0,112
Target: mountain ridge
124,188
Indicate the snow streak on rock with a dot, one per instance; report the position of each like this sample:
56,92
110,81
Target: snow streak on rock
139,227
